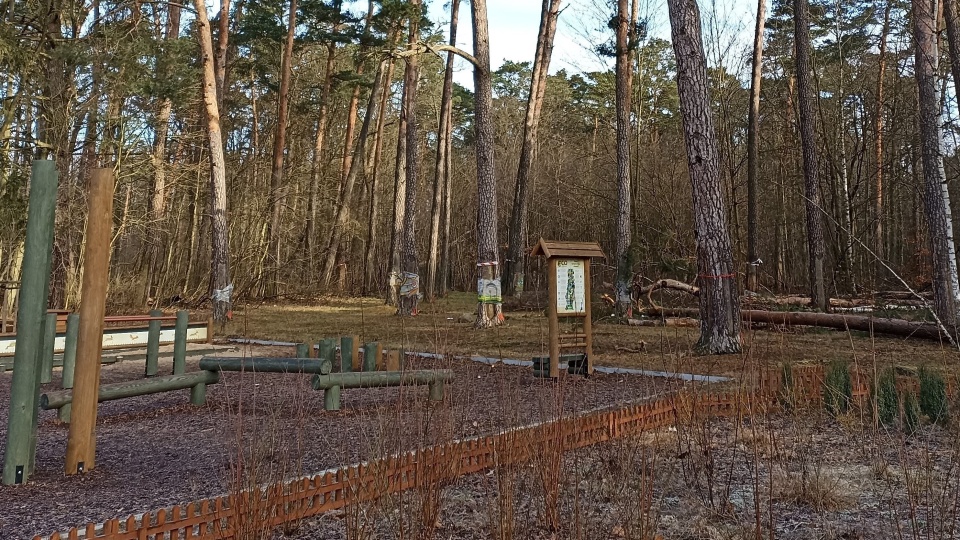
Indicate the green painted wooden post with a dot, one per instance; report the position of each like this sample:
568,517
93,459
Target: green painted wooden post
331,398
328,350
46,349
69,361
348,353
303,350
70,350
371,356
198,394
136,387
34,286
180,343
153,345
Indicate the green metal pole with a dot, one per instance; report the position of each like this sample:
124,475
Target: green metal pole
153,345
69,362
46,350
34,286
180,343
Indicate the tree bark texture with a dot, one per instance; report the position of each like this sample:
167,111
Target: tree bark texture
223,43
369,259
399,206
719,299
440,170
808,143
515,264
753,147
936,196
220,285
622,224
488,315
878,124
409,297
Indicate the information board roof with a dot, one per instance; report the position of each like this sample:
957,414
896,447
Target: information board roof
576,250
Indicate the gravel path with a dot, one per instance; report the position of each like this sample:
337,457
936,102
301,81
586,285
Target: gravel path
157,450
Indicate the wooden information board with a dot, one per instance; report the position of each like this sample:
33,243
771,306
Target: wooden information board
568,277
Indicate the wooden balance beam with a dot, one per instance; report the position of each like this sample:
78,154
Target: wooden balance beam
333,382
197,381
267,364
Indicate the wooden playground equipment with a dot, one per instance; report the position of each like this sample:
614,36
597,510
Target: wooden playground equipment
371,369
83,336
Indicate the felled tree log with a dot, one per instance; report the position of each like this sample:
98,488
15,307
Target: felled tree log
896,327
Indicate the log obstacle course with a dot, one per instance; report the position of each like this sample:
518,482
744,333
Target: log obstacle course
196,381
371,369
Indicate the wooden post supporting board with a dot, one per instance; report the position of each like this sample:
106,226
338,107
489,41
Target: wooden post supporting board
34,285
81,441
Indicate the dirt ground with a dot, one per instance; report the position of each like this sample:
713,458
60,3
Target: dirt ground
442,327
155,451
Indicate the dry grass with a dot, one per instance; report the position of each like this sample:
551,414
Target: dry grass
441,327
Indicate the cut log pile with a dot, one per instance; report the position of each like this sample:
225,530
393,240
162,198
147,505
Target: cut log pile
839,321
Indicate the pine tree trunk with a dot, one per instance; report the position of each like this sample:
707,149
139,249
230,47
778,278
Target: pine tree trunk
447,182
719,300
313,196
622,224
936,196
277,188
409,263
515,263
220,285
753,148
158,201
399,206
369,264
808,143
223,42
440,169
878,124
488,314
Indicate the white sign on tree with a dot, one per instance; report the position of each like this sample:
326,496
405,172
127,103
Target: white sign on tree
571,287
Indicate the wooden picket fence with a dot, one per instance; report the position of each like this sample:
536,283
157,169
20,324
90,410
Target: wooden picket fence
291,501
